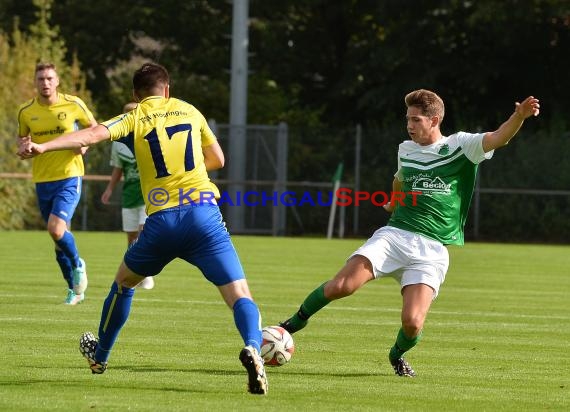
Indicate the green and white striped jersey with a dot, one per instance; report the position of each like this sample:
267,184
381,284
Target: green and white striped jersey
442,176
123,158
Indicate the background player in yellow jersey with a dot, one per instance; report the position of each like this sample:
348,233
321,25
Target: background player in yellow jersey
58,175
133,212
174,148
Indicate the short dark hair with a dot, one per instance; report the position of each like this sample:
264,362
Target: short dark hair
150,76
44,66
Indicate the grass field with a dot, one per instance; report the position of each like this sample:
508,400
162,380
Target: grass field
497,338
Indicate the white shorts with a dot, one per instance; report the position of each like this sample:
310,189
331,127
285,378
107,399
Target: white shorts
133,218
406,256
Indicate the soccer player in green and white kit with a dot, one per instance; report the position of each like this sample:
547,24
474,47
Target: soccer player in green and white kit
132,201
412,246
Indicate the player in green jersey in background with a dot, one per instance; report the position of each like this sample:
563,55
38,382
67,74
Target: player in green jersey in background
132,201
412,246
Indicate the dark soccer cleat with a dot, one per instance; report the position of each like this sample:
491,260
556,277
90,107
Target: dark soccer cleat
290,327
402,368
252,362
87,347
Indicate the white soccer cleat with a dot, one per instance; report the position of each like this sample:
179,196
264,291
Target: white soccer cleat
253,363
73,298
79,277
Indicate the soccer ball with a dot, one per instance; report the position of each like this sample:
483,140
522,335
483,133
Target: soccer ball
277,346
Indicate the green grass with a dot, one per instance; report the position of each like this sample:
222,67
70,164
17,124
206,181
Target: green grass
497,338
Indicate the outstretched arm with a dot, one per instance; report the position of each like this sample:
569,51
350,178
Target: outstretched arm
84,149
500,137
115,178
396,189
73,140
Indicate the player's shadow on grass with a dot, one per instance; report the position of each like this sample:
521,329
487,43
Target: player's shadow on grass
269,370
155,369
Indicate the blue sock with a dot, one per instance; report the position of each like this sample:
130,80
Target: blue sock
116,309
248,322
65,266
67,245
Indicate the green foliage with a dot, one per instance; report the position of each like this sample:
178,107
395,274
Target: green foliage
18,208
347,62
531,161
16,53
19,53
323,67
48,46
489,342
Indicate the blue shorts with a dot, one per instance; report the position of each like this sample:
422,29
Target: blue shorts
59,197
195,233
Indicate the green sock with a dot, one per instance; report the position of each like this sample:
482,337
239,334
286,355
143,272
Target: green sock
314,302
402,345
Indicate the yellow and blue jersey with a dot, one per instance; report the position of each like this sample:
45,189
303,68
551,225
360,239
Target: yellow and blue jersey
166,136
44,123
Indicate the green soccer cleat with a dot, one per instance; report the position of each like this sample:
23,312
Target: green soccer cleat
252,362
293,325
79,277
73,298
87,347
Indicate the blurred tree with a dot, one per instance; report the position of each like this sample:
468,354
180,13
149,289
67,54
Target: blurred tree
189,38
324,67
19,53
346,62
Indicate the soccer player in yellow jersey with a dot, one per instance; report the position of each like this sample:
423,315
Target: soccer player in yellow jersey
58,175
174,148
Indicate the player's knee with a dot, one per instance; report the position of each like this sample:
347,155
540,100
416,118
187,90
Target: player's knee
412,325
126,277
129,282
339,288
56,227
55,232
350,278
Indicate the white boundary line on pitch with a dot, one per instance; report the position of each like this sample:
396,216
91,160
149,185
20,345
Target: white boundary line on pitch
333,308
